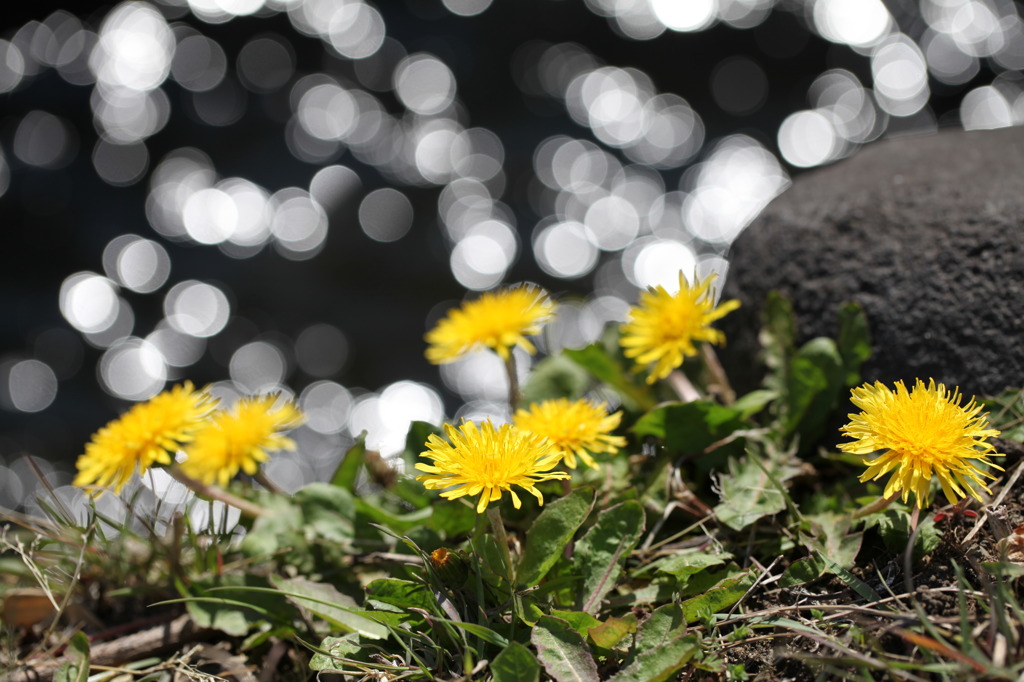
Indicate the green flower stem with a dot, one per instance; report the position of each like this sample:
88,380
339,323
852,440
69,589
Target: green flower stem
498,528
211,492
683,387
718,376
878,505
513,382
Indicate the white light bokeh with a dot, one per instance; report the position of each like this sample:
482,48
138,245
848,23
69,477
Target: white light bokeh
733,185
900,76
133,369
89,302
327,406
482,257
386,417
27,385
44,140
466,8
258,367
985,108
686,15
385,215
424,84
321,350
196,308
298,224
565,249
852,22
140,265
808,138
177,348
135,48
658,262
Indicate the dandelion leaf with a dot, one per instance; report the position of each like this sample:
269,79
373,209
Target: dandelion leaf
332,650
748,492
722,596
613,631
326,602
515,664
601,553
666,650
563,652
551,532
689,428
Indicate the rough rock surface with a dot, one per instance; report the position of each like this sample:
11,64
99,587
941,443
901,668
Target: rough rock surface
926,233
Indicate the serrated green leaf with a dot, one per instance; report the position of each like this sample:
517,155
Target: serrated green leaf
334,648
347,473
601,553
720,597
515,663
562,651
551,532
613,630
689,428
685,564
748,494
327,602
854,341
665,622
76,667
661,662
578,620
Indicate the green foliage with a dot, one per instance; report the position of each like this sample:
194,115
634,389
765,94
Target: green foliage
663,563
76,667
551,532
601,553
563,652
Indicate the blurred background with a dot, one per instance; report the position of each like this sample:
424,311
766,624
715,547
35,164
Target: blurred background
284,195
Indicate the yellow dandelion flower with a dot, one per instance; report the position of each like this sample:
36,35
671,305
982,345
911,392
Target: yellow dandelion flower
498,320
663,327
576,428
482,460
147,434
922,432
241,439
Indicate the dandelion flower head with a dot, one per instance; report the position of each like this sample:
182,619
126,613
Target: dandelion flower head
663,328
147,434
240,439
487,461
498,320
921,433
576,428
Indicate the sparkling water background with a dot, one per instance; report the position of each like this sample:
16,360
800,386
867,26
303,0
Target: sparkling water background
284,195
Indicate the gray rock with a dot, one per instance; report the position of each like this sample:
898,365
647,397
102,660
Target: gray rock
926,233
